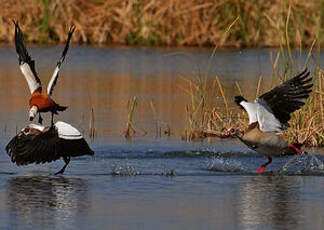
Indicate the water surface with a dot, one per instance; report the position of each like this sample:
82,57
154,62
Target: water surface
151,181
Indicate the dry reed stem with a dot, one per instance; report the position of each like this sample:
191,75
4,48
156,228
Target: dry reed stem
130,131
238,87
92,129
320,89
220,87
169,22
258,87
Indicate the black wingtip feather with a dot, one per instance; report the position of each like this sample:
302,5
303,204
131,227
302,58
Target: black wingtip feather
286,98
67,45
23,56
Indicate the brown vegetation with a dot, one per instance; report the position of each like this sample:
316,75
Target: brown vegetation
165,22
207,118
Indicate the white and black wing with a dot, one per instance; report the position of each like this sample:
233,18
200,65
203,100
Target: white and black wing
286,98
59,141
258,113
26,149
55,75
26,64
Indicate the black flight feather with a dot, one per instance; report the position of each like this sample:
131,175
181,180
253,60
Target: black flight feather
286,98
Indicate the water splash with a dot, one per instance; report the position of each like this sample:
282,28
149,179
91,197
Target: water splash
315,163
123,170
304,162
221,164
169,172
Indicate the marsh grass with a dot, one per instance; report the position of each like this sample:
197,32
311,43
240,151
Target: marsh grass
169,22
130,130
306,125
92,129
199,113
160,127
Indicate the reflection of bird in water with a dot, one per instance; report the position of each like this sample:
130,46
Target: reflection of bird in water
270,203
38,102
39,144
46,202
269,115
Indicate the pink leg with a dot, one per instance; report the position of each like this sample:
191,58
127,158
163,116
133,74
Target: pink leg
296,149
262,167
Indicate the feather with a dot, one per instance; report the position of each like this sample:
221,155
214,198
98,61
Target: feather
26,64
55,75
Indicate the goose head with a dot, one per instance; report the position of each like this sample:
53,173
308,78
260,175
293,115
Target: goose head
32,112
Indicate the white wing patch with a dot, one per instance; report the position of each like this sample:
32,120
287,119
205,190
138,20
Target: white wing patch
52,82
67,131
267,121
30,78
251,109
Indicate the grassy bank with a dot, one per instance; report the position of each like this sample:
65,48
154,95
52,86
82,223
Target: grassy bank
207,118
164,22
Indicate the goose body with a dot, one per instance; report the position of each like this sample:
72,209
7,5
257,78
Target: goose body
39,102
267,143
40,144
269,115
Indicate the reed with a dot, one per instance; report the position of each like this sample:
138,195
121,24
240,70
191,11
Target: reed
306,124
167,23
160,127
199,114
155,119
130,131
92,129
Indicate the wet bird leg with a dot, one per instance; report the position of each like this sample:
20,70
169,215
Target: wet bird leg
262,167
40,119
67,161
52,122
296,149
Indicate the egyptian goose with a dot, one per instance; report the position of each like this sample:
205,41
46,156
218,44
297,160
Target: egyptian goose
269,115
38,102
39,144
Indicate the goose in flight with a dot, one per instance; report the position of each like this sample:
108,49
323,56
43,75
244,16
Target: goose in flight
39,102
269,115
39,144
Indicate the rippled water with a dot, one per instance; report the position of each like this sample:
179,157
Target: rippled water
149,182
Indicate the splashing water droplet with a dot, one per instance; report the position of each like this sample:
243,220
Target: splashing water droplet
315,163
224,165
308,162
169,172
123,170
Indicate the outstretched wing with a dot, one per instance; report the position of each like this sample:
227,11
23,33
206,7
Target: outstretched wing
287,97
55,75
27,149
60,140
26,64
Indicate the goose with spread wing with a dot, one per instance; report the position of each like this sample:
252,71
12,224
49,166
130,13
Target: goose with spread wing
39,144
269,115
39,102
